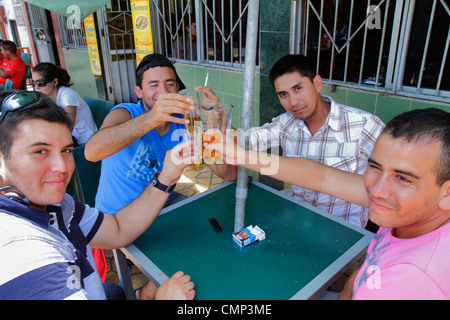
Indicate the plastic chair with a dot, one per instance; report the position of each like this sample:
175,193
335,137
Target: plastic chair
26,57
99,109
23,49
86,177
8,84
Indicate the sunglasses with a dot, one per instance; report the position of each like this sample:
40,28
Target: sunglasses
17,101
40,82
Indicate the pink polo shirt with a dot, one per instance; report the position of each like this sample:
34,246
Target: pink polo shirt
401,269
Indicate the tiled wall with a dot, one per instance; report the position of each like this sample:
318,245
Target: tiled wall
78,67
383,105
274,44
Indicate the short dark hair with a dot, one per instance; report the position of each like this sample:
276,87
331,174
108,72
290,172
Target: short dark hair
43,109
428,123
9,45
155,60
292,63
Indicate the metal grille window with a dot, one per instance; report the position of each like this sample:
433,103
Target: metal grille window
425,68
395,46
40,31
72,33
204,31
118,50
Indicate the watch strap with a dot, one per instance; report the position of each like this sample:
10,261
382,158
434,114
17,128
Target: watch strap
158,185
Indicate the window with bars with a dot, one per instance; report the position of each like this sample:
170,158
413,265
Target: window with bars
394,46
202,31
72,33
426,68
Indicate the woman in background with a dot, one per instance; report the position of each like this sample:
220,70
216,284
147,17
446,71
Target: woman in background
55,82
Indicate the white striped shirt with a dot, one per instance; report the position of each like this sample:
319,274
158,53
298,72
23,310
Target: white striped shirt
46,255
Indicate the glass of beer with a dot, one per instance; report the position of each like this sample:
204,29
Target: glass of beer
196,150
220,112
193,115
194,131
212,134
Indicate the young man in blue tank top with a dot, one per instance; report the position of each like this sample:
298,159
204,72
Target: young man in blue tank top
134,138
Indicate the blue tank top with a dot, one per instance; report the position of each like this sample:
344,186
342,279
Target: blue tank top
125,174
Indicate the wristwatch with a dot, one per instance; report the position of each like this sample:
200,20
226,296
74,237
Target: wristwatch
160,186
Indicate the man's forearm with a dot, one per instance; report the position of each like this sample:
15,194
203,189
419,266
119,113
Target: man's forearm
110,140
4,74
307,174
131,221
134,219
347,292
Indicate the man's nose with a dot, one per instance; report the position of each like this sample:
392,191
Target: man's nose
380,187
59,163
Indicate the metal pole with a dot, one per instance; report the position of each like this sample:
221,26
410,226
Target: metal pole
295,27
246,118
200,30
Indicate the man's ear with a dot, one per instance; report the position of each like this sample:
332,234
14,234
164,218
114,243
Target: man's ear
138,91
444,202
317,81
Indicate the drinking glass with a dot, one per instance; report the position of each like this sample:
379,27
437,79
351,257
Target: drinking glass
212,133
193,116
194,132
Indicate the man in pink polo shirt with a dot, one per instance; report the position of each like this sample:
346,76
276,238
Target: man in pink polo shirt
13,67
406,187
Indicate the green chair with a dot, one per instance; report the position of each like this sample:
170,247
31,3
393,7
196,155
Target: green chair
8,84
26,57
71,188
99,109
86,177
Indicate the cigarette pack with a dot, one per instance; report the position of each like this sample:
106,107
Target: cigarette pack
248,235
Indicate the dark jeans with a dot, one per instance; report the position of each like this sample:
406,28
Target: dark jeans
174,198
113,291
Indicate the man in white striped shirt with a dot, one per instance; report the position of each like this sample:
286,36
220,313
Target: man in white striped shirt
317,128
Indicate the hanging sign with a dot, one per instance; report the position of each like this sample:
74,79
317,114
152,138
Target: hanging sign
91,41
142,27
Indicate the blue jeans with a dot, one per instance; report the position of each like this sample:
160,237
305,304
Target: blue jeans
113,291
174,198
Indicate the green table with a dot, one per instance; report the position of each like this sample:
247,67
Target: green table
305,250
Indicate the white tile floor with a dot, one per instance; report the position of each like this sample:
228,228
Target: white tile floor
193,182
